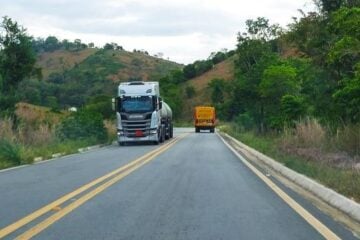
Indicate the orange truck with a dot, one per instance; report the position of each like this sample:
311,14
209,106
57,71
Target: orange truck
204,118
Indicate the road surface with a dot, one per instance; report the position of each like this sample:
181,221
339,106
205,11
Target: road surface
192,187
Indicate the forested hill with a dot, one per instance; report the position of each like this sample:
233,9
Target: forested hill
72,75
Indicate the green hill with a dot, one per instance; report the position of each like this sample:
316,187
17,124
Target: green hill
70,78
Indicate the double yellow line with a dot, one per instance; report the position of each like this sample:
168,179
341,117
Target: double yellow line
103,183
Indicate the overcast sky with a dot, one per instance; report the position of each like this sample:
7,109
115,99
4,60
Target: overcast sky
183,30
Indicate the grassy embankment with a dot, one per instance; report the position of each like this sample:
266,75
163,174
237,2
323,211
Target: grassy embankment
331,159
35,136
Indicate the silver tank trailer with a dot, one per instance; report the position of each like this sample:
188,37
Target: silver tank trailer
166,119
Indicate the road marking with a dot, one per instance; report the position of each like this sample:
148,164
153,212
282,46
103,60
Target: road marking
307,216
128,168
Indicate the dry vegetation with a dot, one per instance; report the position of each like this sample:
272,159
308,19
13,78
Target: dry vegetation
61,60
313,142
139,65
35,135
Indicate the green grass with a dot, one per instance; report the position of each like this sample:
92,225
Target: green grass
344,181
16,154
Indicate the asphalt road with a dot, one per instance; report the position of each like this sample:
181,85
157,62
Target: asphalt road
195,189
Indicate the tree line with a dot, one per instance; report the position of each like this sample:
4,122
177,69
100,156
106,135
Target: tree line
282,75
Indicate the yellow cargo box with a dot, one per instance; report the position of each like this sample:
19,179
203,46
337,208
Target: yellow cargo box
204,118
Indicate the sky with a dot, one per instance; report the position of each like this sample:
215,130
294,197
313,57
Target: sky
182,30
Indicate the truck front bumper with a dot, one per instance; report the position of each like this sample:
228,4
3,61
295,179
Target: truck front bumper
149,138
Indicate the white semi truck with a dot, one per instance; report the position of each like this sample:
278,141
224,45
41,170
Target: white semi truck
141,115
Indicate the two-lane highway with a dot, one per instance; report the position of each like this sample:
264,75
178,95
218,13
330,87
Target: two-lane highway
192,187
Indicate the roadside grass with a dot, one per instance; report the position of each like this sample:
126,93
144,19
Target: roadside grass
14,154
32,139
343,180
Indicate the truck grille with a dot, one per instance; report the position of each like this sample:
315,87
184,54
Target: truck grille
136,128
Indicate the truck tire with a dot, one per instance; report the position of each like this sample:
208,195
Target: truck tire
197,129
167,132
162,134
212,130
171,131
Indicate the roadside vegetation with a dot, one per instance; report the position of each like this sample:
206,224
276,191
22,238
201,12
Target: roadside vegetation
326,164
296,93
40,132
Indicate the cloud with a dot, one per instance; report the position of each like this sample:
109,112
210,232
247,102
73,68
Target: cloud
184,30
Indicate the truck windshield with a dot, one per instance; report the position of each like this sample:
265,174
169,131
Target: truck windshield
137,104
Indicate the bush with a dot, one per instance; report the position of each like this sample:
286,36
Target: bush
190,91
348,139
83,124
307,133
245,121
10,152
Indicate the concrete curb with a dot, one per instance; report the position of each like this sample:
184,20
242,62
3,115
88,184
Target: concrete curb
328,195
38,160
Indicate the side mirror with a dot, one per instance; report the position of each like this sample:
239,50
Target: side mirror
160,103
113,104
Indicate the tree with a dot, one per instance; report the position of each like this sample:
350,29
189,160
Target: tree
329,6
347,99
17,61
292,108
108,46
83,124
344,53
100,104
51,44
277,81
190,91
189,71
261,29
217,87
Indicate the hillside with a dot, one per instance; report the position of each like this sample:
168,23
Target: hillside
223,70
71,78
131,64
61,60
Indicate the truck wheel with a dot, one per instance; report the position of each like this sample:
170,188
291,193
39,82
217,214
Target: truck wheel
212,130
121,143
197,130
167,133
162,135
171,131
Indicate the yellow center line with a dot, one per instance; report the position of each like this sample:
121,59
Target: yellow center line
307,216
128,168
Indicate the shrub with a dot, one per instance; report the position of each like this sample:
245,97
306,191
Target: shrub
307,133
83,124
245,121
10,152
348,139
190,91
